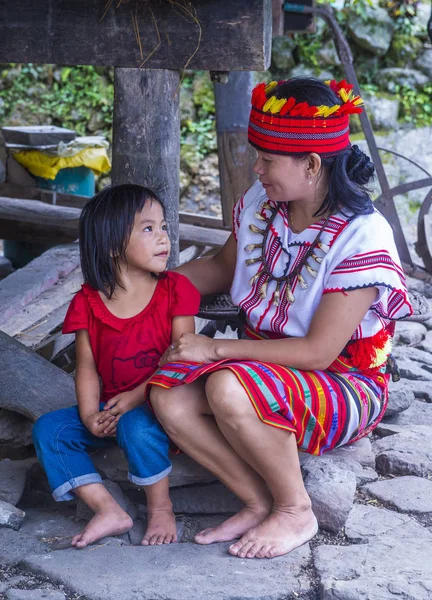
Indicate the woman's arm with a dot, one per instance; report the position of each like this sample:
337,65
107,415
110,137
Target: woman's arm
337,317
213,274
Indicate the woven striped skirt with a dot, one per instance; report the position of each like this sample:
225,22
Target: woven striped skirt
324,409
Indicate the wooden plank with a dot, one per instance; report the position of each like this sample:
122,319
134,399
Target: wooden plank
203,236
201,220
35,221
13,190
29,384
236,155
45,314
146,138
26,284
220,36
47,222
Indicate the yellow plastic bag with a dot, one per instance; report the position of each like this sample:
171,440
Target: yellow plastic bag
47,166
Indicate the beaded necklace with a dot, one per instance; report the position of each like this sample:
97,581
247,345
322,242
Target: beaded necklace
296,272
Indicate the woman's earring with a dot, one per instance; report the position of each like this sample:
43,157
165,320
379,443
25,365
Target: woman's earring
310,182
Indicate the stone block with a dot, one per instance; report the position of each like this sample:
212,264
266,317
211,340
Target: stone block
13,474
406,453
407,494
10,516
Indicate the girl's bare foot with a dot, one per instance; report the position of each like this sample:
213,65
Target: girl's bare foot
161,527
233,527
112,520
282,531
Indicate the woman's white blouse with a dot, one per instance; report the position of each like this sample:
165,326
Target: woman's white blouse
362,253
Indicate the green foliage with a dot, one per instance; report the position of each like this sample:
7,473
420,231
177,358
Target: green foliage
64,96
416,105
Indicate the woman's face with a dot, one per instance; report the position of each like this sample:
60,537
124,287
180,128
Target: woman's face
283,178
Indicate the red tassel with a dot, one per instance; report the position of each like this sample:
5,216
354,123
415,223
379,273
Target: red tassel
362,353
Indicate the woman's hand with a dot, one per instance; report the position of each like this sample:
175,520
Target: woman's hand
191,348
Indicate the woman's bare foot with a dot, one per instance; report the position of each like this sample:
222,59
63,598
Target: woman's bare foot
161,527
233,527
112,520
281,532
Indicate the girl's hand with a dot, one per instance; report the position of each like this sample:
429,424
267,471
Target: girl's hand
116,407
191,348
95,426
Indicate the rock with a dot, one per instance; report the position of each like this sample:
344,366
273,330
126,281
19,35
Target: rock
419,413
373,30
360,451
392,78
426,344
363,474
408,332
385,429
424,62
11,582
420,389
383,111
407,494
204,499
386,568
15,545
406,453
195,573
112,464
96,122
404,50
10,516
35,594
13,478
411,369
331,490
85,513
365,522
49,527
327,55
282,49
401,396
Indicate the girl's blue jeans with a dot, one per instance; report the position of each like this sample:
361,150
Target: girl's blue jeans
62,444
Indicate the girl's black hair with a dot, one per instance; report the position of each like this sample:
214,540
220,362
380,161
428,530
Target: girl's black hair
349,171
105,226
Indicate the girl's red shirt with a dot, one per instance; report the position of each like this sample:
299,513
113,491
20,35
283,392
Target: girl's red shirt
127,351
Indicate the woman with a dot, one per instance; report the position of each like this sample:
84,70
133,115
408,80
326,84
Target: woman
315,270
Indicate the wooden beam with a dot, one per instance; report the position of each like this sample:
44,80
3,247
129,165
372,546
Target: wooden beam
236,156
220,36
34,221
26,220
146,137
29,384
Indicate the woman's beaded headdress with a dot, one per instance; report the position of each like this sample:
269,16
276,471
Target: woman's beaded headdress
285,126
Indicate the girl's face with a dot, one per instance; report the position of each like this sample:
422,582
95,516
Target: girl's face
149,245
283,178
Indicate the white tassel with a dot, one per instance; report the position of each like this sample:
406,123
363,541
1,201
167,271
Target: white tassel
302,282
317,259
251,247
256,229
289,294
310,270
263,290
323,247
251,261
253,279
260,217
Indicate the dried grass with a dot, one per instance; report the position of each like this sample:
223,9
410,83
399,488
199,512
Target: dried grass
141,8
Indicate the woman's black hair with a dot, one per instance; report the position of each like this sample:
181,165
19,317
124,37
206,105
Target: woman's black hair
348,171
105,226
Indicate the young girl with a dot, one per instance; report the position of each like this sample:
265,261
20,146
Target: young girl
127,313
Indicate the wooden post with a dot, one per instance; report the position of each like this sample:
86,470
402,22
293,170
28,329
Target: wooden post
146,137
236,156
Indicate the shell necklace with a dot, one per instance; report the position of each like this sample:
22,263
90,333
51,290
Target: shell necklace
296,272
